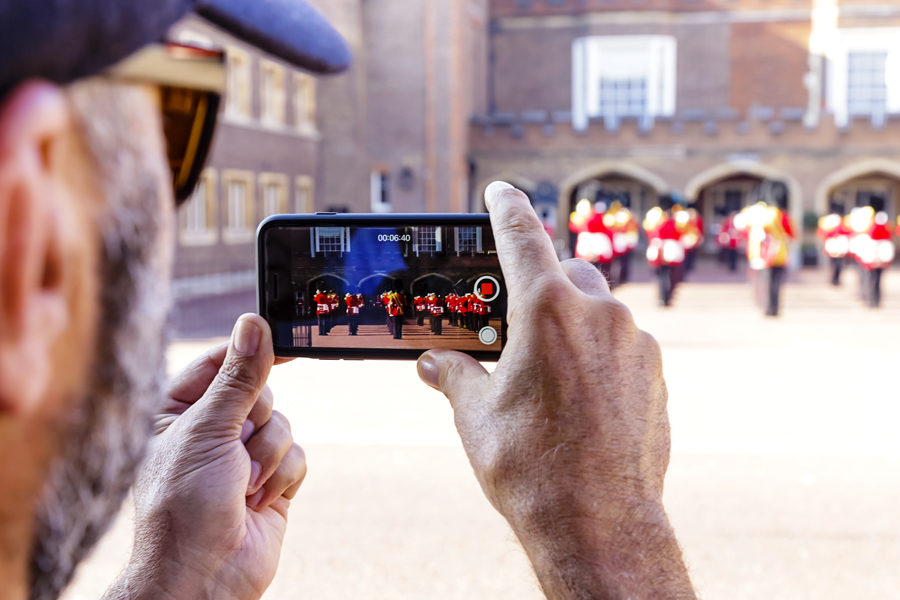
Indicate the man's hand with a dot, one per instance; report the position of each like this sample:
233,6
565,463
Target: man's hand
212,501
569,436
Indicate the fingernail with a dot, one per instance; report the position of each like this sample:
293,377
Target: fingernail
254,500
494,190
428,371
255,470
246,337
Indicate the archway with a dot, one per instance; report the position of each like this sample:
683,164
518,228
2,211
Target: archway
372,287
731,186
630,184
523,183
854,183
433,282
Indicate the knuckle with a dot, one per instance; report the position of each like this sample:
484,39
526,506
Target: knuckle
549,289
235,375
281,422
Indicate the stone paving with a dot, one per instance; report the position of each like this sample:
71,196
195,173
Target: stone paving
784,481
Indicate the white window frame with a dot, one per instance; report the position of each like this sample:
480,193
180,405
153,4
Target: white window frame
860,39
279,183
272,100
438,239
305,103
592,55
238,85
200,206
479,248
315,244
377,191
242,233
304,194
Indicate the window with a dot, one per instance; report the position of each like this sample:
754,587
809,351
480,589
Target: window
304,103
380,191
427,240
333,240
468,239
239,213
866,86
304,197
863,73
198,215
272,97
622,76
237,101
623,97
273,188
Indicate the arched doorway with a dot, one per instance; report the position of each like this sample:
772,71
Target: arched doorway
859,184
433,282
372,287
633,186
730,187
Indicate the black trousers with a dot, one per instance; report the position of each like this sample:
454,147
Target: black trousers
624,267
731,257
836,265
871,287
664,274
353,321
776,277
398,327
323,324
421,318
437,324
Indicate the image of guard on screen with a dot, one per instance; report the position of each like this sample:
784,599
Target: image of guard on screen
396,288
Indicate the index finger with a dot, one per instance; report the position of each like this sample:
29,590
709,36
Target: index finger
524,248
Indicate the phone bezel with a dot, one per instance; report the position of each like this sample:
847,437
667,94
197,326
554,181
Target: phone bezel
356,220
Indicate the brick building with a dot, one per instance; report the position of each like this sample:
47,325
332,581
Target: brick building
568,98
704,98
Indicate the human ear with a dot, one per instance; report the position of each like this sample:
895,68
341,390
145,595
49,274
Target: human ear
34,308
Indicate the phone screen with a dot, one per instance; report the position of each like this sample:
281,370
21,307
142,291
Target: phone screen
349,287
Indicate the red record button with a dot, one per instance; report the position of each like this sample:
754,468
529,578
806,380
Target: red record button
487,288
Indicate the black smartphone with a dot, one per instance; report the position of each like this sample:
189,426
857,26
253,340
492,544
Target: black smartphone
381,286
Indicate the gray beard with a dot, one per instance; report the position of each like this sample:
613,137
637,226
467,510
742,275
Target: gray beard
106,437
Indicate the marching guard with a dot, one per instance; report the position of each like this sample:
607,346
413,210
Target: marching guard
436,308
594,241
665,253
354,303
323,311
729,240
769,232
836,240
873,248
451,301
690,230
624,229
420,306
396,307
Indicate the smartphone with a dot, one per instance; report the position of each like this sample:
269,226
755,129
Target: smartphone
352,286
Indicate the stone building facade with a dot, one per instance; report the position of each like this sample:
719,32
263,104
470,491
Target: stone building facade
701,98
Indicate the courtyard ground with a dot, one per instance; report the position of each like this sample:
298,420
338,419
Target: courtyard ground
784,481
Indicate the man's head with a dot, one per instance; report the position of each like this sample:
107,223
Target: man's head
86,227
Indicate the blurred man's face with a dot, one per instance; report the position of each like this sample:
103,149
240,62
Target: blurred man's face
105,431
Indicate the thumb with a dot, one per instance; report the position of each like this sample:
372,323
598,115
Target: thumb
242,376
458,376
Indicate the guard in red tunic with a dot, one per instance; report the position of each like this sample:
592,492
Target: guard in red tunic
421,308
480,310
323,310
385,300
729,241
836,240
451,307
690,229
873,247
594,241
436,307
396,309
665,252
354,303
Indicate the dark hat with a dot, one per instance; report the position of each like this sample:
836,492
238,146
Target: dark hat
64,40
